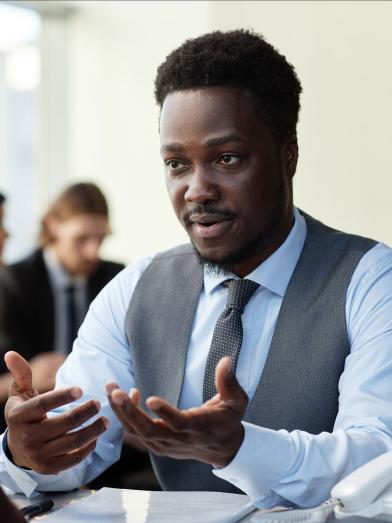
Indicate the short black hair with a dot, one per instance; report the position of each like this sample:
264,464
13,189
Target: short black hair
240,59
2,199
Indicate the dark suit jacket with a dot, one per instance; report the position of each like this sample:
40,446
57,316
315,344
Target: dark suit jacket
27,304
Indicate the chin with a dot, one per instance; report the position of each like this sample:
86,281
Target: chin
218,258
213,255
85,270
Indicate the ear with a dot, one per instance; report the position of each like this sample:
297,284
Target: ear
290,156
51,225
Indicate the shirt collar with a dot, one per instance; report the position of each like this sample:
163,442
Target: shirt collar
58,276
275,272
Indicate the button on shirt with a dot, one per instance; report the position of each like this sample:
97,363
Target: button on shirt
271,466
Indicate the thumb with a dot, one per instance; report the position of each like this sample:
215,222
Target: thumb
228,387
21,372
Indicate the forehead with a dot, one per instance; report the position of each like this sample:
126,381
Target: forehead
83,224
204,114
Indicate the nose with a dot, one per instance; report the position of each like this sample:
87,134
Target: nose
202,187
91,250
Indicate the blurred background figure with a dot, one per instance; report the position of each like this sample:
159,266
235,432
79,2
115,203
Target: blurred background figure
3,231
44,297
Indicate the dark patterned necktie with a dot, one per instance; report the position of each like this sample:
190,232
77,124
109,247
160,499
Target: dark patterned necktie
227,337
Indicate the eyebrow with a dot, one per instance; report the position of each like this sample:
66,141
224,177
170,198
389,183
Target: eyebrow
225,139
177,147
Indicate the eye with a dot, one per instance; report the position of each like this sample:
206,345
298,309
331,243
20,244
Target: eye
229,159
174,165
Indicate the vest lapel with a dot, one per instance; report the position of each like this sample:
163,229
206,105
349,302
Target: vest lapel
165,299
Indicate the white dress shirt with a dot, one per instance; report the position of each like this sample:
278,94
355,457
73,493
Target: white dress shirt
270,466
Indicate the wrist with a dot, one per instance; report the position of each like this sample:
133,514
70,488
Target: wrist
8,453
232,451
6,448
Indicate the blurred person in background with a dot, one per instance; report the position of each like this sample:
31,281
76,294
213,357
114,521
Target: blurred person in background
3,231
44,297
43,301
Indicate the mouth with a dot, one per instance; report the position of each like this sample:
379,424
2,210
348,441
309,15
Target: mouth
210,225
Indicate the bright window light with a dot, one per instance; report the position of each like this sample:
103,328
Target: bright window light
18,26
20,71
22,68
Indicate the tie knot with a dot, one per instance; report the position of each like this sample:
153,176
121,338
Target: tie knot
240,292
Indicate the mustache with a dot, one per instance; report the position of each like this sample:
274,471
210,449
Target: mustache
206,209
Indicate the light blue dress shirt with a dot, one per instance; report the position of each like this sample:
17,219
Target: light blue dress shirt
270,466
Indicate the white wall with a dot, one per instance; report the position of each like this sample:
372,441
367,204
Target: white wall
115,50
342,53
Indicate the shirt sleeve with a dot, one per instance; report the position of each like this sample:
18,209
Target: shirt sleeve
298,468
100,354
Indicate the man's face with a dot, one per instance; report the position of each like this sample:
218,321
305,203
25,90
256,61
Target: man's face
229,181
77,242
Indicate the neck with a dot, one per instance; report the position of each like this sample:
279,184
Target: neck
279,236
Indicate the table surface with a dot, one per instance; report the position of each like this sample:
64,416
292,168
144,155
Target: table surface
62,499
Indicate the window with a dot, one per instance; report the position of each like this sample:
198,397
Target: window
20,72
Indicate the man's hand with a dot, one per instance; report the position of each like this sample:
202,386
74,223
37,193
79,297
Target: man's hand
212,433
44,444
44,367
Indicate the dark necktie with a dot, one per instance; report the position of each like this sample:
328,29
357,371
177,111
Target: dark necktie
227,337
71,321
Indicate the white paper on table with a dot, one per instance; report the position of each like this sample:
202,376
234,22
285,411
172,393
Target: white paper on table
139,506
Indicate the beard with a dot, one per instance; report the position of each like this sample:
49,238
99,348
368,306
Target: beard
254,246
223,266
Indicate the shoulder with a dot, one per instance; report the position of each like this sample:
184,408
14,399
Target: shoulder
121,288
112,266
375,264
133,272
369,299
335,239
32,262
109,269
25,271
185,250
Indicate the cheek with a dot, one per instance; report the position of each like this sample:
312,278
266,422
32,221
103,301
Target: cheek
72,249
176,192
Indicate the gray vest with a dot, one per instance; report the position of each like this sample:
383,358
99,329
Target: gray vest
298,388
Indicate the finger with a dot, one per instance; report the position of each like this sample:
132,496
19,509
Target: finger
35,409
66,461
110,387
227,385
134,394
175,418
133,418
21,372
74,441
58,425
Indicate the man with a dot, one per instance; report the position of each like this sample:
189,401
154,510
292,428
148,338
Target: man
44,297
300,312
3,231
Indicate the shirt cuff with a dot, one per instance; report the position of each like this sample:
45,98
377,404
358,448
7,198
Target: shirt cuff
26,484
260,463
